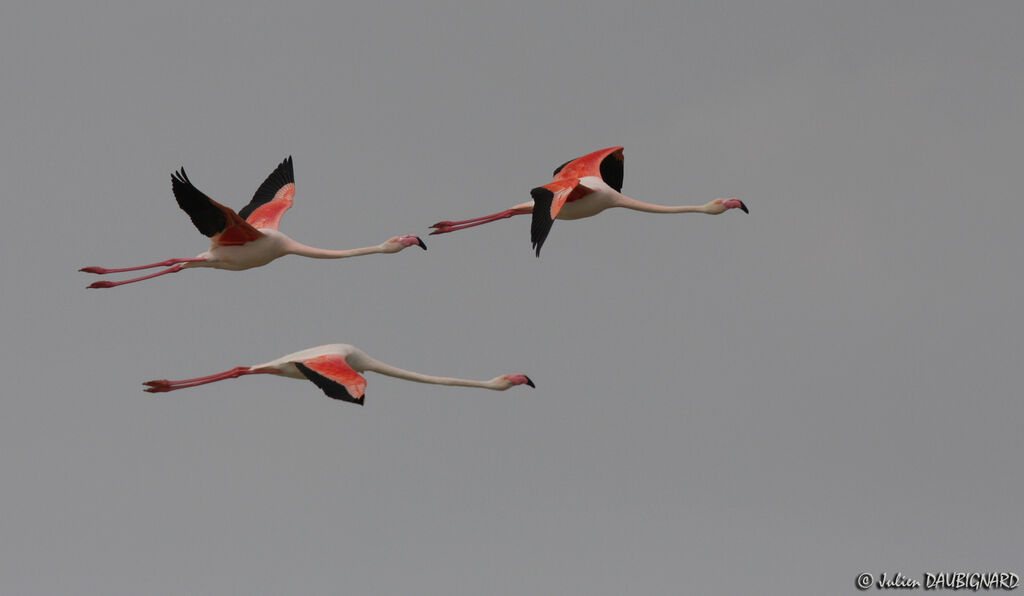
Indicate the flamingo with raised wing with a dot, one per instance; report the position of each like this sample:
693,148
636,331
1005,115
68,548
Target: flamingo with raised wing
583,187
248,238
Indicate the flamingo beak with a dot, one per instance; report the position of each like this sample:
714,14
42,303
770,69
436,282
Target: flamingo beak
424,246
744,208
529,382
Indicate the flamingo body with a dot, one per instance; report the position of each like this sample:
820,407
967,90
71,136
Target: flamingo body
582,187
335,369
249,238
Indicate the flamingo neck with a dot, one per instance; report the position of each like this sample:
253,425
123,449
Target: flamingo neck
296,248
636,205
377,366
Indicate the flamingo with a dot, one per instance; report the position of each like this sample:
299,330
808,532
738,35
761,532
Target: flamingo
335,369
248,238
582,187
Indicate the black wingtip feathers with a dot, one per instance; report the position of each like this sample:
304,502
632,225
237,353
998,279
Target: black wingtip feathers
542,222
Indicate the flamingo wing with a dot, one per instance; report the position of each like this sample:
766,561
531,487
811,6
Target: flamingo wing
272,198
222,225
337,379
547,203
607,164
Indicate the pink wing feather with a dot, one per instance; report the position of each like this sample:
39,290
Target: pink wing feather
272,198
337,379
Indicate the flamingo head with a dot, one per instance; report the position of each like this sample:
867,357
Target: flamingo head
513,380
401,242
722,205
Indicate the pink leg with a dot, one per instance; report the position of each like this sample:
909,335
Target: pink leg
166,263
111,284
163,385
443,227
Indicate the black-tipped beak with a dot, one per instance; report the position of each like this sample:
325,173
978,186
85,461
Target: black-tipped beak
529,382
744,207
424,246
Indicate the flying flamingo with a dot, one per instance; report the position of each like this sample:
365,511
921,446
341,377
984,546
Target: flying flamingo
582,187
335,369
248,238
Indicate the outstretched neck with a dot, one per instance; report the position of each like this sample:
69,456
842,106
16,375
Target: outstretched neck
628,203
296,248
367,363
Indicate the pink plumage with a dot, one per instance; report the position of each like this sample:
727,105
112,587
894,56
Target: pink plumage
582,187
246,239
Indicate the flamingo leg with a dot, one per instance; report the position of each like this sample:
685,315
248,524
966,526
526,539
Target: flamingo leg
167,263
112,284
443,227
163,385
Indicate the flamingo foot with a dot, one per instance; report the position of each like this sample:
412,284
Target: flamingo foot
99,270
100,284
442,227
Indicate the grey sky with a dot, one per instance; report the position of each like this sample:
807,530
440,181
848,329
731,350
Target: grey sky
769,403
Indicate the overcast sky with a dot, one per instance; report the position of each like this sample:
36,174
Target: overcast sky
766,403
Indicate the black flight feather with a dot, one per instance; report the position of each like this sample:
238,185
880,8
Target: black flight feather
542,221
611,171
206,216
